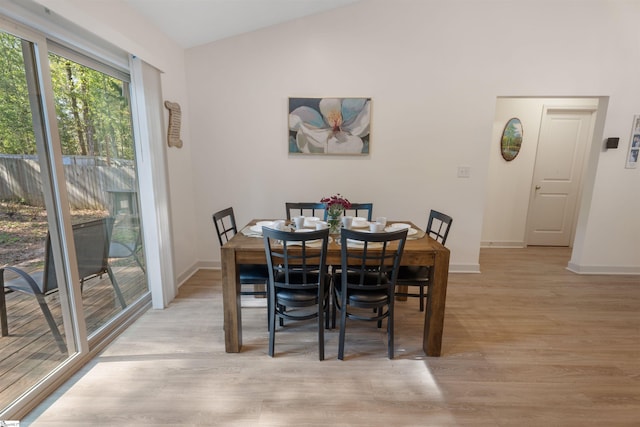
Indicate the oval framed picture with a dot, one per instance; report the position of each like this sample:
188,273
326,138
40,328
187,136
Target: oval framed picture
511,139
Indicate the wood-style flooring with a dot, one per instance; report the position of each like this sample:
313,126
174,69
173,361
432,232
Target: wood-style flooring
526,343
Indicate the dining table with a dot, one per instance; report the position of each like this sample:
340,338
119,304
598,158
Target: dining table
247,247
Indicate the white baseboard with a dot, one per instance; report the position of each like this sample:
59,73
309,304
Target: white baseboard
601,269
503,244
464,268
185,275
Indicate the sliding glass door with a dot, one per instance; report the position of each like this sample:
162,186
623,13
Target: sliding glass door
34,338
94,122
71,254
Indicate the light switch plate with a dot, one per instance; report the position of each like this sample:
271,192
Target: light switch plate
464,171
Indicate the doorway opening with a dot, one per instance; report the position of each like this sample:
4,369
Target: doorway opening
535,199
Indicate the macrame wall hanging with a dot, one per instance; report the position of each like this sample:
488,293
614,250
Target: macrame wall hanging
175,119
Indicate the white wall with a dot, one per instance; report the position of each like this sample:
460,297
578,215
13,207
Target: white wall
434,70
509,183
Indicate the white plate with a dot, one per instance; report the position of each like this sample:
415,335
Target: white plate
360,223
398,226
260,224
355,242
410,231
310,221
304,230
256,228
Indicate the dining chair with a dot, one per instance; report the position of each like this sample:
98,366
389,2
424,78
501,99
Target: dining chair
365,284
438,227
360,210
254,275
298,279
315,209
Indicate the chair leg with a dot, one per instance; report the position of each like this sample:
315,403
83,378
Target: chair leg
52,323
421,297
4,326
116,288
321,326
137,258
390,329
272,321
343,327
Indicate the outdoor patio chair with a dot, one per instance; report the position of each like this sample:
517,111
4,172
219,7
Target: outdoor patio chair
122,248
92,249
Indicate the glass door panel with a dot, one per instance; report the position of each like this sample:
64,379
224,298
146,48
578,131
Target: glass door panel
94,122
33,340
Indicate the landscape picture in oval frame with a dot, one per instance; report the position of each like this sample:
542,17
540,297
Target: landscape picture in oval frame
511,139
329,126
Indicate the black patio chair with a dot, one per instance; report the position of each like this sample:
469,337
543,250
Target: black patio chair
92,253
131,247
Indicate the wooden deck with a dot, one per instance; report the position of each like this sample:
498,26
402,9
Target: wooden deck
30,351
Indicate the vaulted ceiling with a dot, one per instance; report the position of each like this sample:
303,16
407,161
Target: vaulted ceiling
194,22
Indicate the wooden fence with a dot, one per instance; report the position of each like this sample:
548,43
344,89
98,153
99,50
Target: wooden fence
90,181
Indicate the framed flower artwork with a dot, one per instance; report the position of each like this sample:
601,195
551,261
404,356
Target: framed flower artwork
329,126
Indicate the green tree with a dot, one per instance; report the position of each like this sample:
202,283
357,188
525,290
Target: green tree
16,129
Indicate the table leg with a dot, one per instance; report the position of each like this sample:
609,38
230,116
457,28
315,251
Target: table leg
231,301
434,313
402,289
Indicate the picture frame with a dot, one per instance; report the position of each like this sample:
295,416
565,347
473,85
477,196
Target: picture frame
511,139
634,144
329,126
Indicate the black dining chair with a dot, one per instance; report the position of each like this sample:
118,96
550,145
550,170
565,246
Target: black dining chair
364,210
253,277
298,279
438,227
315,209
365,284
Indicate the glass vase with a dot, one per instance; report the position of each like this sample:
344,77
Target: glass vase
335,222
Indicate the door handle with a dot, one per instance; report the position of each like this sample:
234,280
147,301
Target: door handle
538,187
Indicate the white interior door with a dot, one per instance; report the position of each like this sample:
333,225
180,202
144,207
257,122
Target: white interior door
564,135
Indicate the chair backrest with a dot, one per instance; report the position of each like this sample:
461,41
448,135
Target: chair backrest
92,246
225,222
360,210
438,226
371,260
91,240
316,209
296,260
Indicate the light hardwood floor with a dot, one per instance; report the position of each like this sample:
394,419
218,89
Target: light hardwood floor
526,343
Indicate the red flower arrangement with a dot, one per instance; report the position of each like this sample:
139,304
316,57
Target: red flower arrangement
336,204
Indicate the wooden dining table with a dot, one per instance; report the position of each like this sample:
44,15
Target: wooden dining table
425,251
